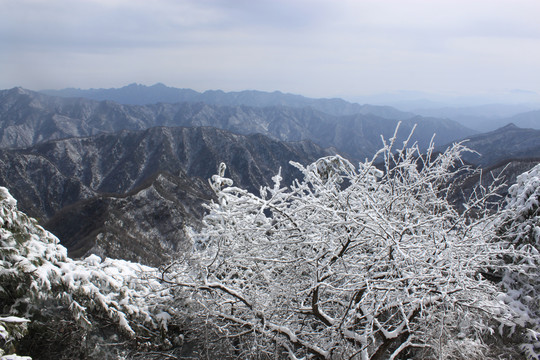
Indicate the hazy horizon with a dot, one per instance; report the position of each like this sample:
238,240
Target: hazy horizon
484,51
403,100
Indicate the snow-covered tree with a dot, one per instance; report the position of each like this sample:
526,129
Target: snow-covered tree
520,226
36,276
349,262
352,262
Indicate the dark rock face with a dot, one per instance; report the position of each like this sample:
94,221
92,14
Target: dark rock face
27,118
131,194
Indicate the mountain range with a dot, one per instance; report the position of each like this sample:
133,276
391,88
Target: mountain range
508,142
126,180
138,188
481,118
136,94
488,117
30,117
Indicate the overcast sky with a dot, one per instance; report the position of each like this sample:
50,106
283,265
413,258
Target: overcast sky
318,48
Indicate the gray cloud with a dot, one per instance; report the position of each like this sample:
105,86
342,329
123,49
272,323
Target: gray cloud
315,47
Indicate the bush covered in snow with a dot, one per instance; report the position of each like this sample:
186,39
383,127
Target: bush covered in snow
354,262
36,277
348,262
520,226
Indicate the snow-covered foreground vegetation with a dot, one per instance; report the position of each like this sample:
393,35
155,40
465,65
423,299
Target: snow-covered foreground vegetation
350,262
37,277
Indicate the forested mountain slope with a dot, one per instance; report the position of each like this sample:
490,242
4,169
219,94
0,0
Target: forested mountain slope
138,186
508,142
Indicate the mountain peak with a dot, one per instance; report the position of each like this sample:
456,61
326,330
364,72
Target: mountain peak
19,91
510,126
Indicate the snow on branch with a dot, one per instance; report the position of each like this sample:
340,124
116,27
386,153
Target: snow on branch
34,268
355,260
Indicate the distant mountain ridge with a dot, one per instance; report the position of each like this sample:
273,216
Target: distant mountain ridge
529,119
507,143
488,117
136,94
27,118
